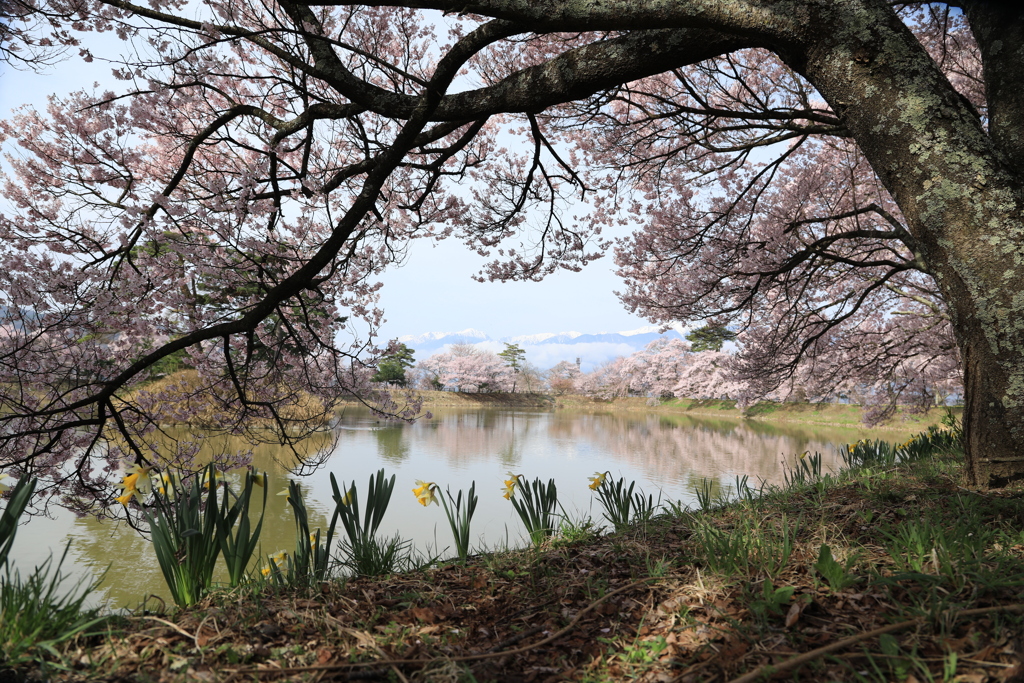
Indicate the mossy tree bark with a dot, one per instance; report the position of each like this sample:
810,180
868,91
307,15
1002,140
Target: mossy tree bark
960,189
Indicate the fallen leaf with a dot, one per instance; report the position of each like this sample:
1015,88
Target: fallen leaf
794,614
970,678
733,648
1014,674
424,614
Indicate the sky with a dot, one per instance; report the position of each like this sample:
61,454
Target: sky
433,291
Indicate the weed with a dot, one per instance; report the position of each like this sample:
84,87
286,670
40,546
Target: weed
377,557
36,615
657,568
16,504
747,547
706,499
772,599
838,575
644,651
575,530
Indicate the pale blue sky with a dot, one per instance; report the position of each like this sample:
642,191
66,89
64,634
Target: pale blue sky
434,290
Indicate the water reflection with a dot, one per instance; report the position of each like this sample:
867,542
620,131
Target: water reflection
392,444
670,453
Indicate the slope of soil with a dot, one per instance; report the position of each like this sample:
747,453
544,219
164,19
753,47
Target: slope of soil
923,579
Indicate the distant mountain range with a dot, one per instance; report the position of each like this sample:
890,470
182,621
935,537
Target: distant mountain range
547,348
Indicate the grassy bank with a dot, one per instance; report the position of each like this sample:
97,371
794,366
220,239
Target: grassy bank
890,572
831,414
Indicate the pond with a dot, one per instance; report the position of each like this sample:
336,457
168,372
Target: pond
666,454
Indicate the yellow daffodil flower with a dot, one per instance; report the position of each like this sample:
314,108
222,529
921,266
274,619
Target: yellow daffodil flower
137,479
510,485
285,491
214,479
425,492
127,497
598,480
166,485
259,478
3,486
312,539
804,454
278,560
347,498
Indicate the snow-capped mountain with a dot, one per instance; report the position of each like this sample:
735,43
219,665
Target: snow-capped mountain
468,335
547,348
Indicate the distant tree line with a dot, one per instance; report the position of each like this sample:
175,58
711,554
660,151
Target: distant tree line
702,367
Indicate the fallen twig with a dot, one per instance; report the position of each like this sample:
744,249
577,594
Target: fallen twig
464,658
794,662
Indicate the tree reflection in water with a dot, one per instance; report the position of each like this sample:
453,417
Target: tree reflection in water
667,452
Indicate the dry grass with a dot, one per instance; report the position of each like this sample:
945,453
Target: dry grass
184,398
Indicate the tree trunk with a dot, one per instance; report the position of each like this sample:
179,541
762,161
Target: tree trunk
963,202
993,414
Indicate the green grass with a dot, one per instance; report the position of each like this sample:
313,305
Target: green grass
38,615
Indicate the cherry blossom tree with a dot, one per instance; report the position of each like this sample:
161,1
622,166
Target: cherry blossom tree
840,181
563,378
667,368
711,375
655,369
605,382
468,369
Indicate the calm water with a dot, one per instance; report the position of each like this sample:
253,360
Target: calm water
666,453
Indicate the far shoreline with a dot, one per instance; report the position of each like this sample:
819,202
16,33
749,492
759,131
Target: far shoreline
821,414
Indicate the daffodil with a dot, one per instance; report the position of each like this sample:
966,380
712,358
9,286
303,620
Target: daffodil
280,558
278,561
166,485
425,492
3,486
804,454
347,498
127,497
510,485
285,491
137,479
213,478
259,478
598,480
